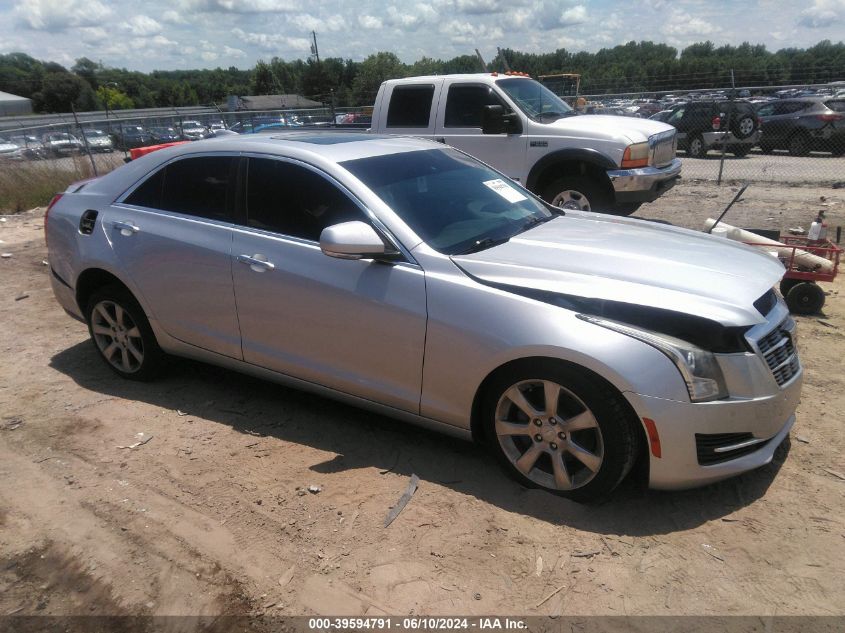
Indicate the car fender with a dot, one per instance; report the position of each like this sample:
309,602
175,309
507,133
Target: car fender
580,154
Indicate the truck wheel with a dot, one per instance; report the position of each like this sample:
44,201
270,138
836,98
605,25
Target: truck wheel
696,148
805,298
576,192
553,427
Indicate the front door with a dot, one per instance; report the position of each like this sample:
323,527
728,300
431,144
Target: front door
357,326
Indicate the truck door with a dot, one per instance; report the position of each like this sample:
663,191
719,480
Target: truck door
459,125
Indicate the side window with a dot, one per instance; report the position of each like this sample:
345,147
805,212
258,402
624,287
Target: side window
410,106
295,201
464,105
766,110
676,116
198,186
148,194
791,108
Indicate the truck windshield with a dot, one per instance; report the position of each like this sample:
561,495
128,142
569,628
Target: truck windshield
453,202
535,100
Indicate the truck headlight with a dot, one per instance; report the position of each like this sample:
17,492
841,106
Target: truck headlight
636,156
698,367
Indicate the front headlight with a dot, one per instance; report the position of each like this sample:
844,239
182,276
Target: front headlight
698,367
636,156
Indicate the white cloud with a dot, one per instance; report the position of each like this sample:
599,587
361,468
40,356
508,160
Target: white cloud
310,23
463,32
94,34
681,24
551,15
370,22
241,6
275,42
58,15
173,17
141,25
823,13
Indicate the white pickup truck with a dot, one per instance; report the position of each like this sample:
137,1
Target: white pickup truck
517,125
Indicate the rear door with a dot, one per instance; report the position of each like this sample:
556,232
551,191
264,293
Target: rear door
173,235
357,326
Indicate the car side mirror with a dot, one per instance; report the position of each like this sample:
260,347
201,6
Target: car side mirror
354,240
494,120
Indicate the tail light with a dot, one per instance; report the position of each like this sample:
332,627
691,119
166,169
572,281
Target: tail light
53,202
716,122
830,118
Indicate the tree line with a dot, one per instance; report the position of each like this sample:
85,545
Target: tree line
633,67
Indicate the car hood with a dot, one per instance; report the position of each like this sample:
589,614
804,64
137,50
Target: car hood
608,126
633,261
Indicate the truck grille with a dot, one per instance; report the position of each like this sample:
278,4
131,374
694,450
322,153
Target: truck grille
778,350
663,148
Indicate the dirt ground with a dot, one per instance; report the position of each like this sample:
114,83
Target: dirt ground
213,515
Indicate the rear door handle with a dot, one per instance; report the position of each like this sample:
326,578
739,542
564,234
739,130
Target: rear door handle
258,262
126,228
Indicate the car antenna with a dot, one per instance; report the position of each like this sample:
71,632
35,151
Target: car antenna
728,208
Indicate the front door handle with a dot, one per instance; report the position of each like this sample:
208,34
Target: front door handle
258,262
126,228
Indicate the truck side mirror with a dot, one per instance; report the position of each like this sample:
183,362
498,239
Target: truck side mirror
494,120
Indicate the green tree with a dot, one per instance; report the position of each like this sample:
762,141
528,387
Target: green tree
372,72
61,91
113,99
262,79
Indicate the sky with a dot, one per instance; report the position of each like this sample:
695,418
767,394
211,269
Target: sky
187,34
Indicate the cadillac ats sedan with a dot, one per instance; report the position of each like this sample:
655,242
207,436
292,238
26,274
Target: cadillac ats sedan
406,277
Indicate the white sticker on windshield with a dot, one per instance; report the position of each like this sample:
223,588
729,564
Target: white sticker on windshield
505,190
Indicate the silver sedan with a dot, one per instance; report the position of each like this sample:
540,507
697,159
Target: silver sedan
406,277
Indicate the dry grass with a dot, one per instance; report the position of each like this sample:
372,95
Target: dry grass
28,184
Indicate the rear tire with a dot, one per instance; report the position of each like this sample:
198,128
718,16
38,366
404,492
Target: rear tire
122,334
799,145
554,427
744,126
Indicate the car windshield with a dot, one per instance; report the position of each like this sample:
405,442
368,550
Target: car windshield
534,99
454,203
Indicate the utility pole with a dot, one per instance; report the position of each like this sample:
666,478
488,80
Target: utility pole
314,51
481,59
504,59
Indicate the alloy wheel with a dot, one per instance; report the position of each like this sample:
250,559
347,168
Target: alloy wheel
117,336
549,434
571,199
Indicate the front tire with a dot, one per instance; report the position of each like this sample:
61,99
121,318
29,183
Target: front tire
554,427
122,334
576,192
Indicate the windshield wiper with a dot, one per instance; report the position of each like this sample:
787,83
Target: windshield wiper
553,116
534,222
480,245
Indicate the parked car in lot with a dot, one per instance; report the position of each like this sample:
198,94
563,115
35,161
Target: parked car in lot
99,141
31,148
164,134
61,144
709,124
404,276
193,130
803,125
10,150
129,136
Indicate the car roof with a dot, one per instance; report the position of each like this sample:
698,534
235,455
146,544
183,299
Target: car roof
307,146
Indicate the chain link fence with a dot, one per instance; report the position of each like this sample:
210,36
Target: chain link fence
795,141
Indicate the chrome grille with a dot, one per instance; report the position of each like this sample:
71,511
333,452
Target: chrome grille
778,350
662,148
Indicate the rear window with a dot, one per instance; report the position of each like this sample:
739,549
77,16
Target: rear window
410,106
